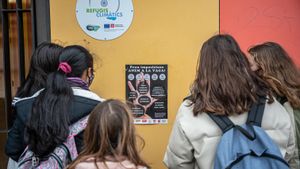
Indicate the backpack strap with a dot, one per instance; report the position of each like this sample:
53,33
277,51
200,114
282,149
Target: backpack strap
75,129
222,121
282,100
256,112
78,127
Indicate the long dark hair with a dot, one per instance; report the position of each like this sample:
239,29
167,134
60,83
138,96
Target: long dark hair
277,68
224,83
44,60
110,133
48,124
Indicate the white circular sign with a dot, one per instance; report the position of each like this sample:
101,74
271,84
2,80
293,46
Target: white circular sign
130,76
104,19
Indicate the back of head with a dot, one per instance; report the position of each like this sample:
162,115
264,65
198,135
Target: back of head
110,132
278,70
115,126
43,61
224,83
49,121
78,58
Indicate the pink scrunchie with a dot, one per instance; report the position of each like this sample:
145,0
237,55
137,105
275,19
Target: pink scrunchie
65,67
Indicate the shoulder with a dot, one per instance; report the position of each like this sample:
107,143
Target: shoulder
275,116
84,100
82,104
86,94
293,112
185,111
128,164
195,126
23,106
84,165
17,101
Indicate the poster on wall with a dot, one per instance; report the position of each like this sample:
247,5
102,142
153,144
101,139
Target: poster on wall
104,19
146,89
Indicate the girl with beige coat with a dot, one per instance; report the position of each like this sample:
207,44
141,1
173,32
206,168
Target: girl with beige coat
224,85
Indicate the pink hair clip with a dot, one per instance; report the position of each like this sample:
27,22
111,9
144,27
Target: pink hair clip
65,67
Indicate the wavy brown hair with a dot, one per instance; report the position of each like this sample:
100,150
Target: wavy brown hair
277,68
110,133
224,83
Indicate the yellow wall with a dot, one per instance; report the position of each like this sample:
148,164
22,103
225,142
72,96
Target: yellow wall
162,32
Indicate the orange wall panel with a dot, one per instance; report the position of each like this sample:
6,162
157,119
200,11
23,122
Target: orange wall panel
257,21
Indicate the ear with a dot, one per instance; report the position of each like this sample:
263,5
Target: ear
90,72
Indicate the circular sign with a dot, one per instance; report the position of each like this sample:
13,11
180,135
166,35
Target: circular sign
104,19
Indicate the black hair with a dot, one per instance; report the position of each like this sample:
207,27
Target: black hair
48,124
44,60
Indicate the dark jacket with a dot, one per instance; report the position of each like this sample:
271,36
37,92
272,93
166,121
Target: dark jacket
81,105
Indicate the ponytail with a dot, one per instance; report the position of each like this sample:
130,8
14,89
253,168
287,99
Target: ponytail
48,125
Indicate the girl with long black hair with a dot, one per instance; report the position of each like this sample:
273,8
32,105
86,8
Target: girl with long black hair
64,100
44,60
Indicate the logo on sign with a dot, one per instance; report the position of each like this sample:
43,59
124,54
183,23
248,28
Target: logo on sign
92,27
111,26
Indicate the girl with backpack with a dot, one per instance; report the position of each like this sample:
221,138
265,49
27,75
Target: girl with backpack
110,139
273,64
44,60
224,87
47,115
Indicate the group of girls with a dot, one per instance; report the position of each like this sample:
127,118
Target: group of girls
228,83
56,94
